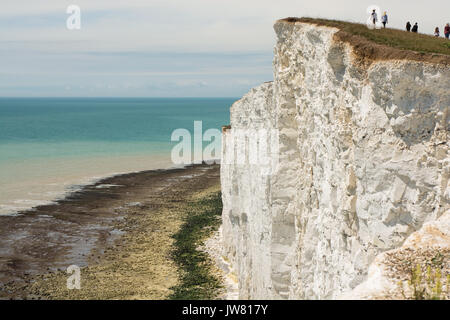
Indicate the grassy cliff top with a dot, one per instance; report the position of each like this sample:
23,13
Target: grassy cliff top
387,43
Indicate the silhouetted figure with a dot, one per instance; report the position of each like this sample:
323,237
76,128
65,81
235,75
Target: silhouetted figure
447,30
415,28
436,32
408,27
384,19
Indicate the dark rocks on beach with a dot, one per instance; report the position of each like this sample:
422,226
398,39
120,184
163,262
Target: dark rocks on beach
84,224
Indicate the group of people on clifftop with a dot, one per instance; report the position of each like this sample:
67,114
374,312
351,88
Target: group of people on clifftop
414,29
437,33
384,18
410,28
446,31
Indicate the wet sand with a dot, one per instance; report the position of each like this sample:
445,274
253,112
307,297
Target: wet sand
118,230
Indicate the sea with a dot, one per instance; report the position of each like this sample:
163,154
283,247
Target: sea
53,146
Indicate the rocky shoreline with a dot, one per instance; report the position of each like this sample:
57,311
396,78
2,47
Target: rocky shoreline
119,231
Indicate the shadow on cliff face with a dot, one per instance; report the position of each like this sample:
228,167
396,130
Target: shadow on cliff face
415,99
336,58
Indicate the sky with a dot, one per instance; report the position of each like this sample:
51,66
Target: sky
163,48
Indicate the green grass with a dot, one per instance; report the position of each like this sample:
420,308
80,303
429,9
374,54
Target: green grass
197,280
426,287
390,37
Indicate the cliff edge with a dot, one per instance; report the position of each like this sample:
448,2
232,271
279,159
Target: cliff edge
361,173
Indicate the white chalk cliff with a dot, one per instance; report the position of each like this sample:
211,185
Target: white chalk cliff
363,166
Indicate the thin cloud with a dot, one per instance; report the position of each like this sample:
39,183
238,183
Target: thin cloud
224,44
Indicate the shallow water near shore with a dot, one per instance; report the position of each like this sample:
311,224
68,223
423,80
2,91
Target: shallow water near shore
38,182
51,147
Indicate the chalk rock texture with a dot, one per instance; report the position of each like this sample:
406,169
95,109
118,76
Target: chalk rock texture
427,244
361,164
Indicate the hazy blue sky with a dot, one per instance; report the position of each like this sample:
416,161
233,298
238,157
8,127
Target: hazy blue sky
163,47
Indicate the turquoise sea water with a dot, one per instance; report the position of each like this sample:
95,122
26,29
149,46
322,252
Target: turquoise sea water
49,145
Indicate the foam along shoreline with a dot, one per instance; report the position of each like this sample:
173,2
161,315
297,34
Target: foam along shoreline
32,184
82,227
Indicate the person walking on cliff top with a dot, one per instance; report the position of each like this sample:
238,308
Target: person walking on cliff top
436,32
408,26
447,31
415,28
384,19
374,17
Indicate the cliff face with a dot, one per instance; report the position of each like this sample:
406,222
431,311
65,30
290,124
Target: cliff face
363,163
